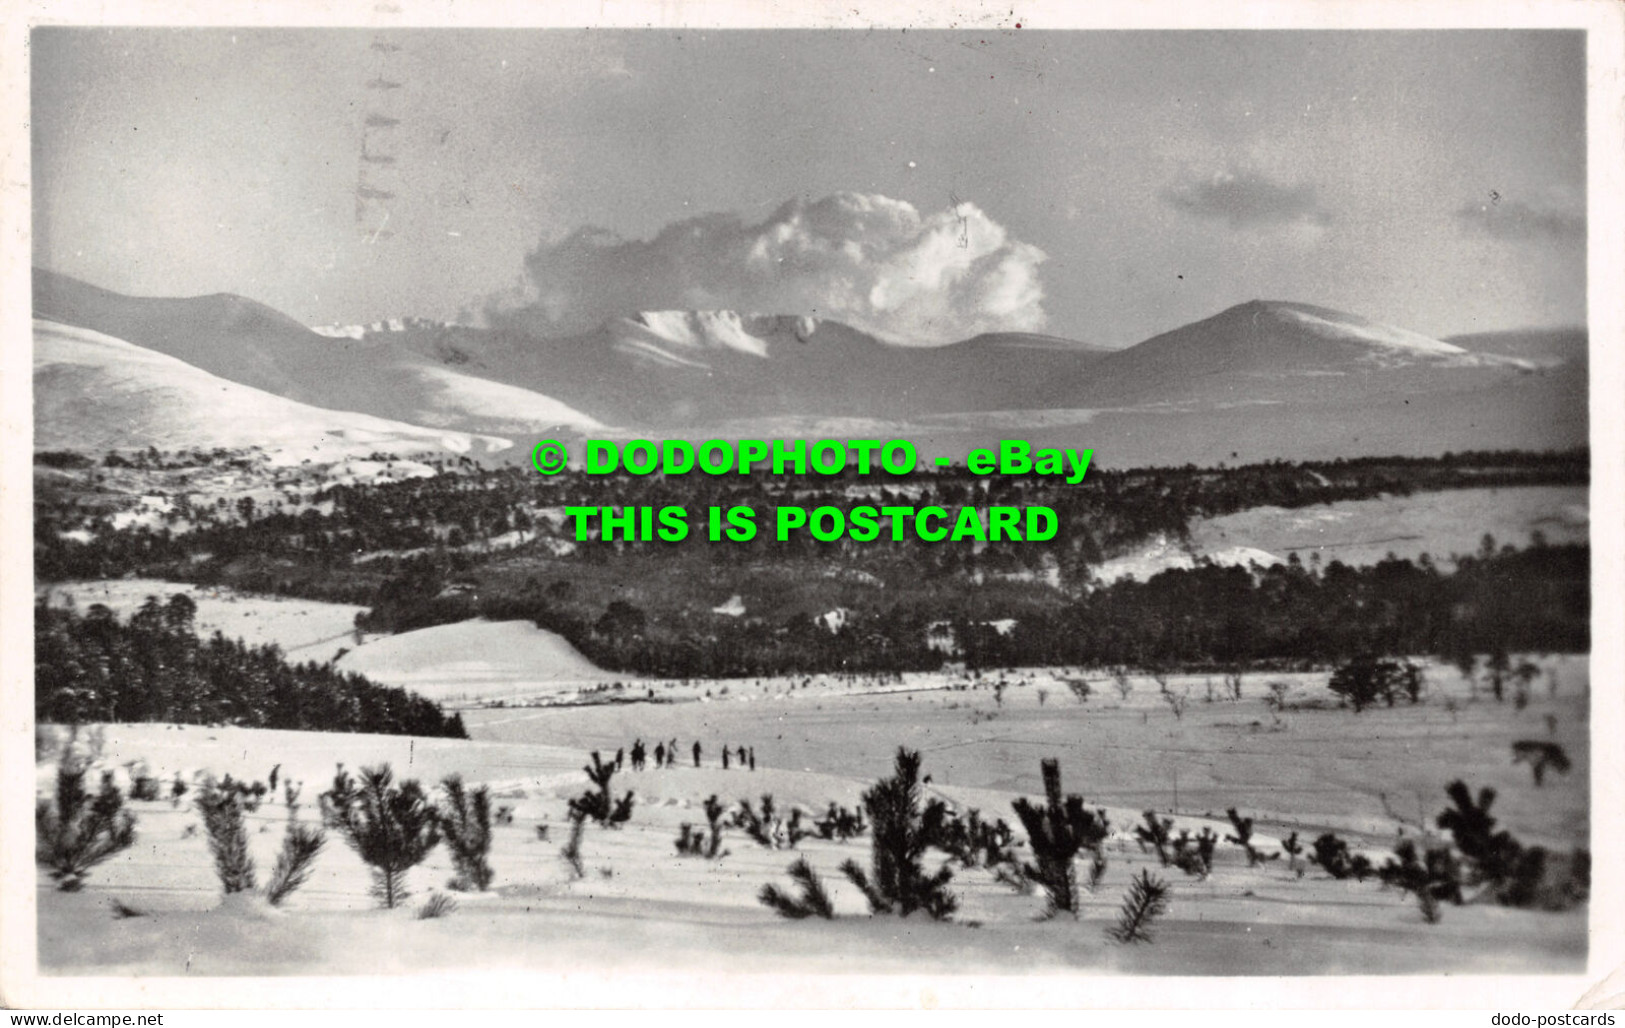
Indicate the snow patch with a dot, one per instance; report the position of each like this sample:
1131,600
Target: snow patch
1370,333
702,330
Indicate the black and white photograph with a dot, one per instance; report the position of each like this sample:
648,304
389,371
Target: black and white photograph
993,493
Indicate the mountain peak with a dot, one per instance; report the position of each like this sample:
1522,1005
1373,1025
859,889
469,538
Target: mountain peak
1304,323
716,329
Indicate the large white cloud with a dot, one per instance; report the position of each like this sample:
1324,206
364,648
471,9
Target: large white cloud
872,262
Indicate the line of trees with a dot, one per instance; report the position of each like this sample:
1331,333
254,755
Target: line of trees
1207,617
454,514
153,667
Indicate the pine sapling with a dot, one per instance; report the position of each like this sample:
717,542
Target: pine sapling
465,822
902,831
601,806
1146,900
706,844
1244,838
1433,878
295,862
1155,832
1541,756
795,829
1057,831
1494,855
1194,854
77,832
759,827
143,786
813,901
1291,847
391,829
1332,854
222,808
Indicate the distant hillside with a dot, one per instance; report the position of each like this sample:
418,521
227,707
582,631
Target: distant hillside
251,344
1259,381
1542,347
94,392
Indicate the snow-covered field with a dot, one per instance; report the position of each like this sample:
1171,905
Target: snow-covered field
304,629
1453,521
641,906
1359,532
478,660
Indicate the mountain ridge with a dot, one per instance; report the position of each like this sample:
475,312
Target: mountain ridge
1282,378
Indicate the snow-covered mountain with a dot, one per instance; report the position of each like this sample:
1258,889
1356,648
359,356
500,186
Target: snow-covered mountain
376,327
94,392
1257,381
1270,350
407,374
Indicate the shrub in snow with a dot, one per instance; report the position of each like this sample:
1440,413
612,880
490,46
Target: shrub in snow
1244,838
1232,683
1147,900
812,902
796,828
974,842
75,831
1194,854
1541,755
1176,702
896,881
1514,874
391,829
706,844
436,906
143,786
1155,833
1332,854
841,824
1493,855
1432,878
221,805
1291,847
601,806
762,827
1057,831
1121,680
465,824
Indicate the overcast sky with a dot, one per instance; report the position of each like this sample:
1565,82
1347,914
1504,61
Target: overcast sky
1102,186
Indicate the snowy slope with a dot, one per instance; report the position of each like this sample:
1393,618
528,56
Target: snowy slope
401,370
476,660
96,392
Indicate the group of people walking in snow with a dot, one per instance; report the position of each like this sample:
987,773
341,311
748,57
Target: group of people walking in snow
665,755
